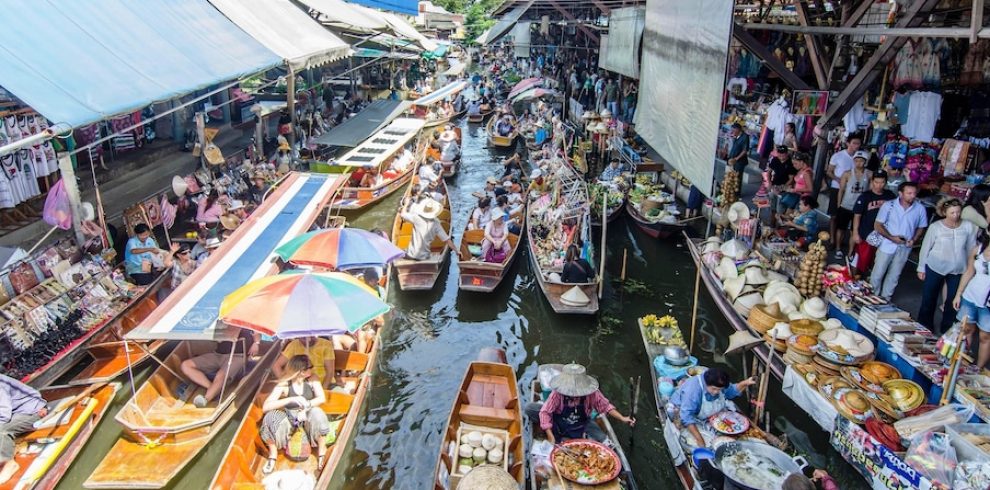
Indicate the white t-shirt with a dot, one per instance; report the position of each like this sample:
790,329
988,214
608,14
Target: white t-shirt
925,109
843,162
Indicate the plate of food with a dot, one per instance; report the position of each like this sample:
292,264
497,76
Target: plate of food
586,462
729,422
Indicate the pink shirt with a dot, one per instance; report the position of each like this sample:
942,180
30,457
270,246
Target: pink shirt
555,404
211,215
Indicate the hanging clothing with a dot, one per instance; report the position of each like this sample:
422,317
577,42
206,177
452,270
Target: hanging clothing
856,117
925,109
778,115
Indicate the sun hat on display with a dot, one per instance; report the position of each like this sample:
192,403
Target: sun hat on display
814,308
179,186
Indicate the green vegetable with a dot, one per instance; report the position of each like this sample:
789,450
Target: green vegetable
465,462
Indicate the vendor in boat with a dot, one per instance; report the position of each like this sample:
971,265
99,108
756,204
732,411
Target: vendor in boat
20,407
140,254
538,185
431,171
576,270
426,227
481,214
804,226
295,401
259,187
320,354
566,414
698,398
450,151
496,247
210,371
613,171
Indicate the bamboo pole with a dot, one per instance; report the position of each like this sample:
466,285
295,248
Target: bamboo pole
949,384
601,269
694,310
625,252
764,383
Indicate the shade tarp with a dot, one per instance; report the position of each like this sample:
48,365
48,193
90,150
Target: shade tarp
408,7
621,52
440,93
354,130
521,39
379,148
285,29
483,37
404,29
347,16
80,62
192,310
506,22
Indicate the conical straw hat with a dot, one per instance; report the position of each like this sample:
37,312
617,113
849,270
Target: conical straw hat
740,341
573,381
575,297
488,477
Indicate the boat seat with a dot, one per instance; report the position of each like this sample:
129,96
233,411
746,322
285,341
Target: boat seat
236,472
337,403
473,236
486,415
348,360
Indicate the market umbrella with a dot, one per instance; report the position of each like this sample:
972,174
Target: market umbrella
339,249
535,93
302,305
524,85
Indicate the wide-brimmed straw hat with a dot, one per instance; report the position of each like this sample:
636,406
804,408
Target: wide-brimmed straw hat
814,308
575,297
491,180
429,209
230,222
179,186
726,269
737,212
488,477
735,248
742,340
88,212
573,380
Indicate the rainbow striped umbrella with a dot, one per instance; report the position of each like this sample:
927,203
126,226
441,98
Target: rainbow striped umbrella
302,305
339,249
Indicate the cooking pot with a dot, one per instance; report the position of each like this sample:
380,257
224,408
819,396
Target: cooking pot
676,355
780,459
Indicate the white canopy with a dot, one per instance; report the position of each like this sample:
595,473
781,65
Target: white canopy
347,15
281,27
402,28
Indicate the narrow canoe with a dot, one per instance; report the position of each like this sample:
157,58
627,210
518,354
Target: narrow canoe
487,401
163,430
75,413
494,139
420,275
553,290
478,118
444,120
613,214
654,229
352,198
475,273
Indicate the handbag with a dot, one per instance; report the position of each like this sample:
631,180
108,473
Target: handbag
874,239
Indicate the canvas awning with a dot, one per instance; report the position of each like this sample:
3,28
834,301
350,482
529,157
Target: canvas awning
192,310
503,25
339,13
440,93
380,147
404,29
353,131
408,7
483,37
80,62
283,28
456,69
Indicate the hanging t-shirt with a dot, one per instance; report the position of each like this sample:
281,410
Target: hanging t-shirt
778,115
925,110
855,118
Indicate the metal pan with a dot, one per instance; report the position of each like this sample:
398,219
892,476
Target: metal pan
784,463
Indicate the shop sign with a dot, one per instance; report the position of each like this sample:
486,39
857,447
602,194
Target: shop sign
882,468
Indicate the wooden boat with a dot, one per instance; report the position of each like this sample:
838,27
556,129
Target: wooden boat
487,401
714,286
383,151
163,430
420,275
450,168
100,345
538,482
440,121
494,139
479,118
655,229
612,212
476,274
75,413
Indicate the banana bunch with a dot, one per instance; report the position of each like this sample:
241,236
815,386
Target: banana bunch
663,330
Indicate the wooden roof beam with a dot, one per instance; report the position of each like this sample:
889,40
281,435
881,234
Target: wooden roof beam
764,54
588,32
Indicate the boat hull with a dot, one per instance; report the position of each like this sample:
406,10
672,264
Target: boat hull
613,214
478,118
420,275
498,141
655,230
353,198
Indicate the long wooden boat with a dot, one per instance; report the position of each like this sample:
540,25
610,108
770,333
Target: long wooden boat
440,121
655,229
538,482
450,168
714,287
420,275
487,401
498,141
45,454
385,151
92,346
163,429
475,273
479,118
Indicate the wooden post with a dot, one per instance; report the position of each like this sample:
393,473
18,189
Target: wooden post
625,251
694,310
290,102
601,269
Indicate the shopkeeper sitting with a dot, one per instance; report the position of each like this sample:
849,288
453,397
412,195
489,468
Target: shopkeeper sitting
699,397
805,226
140,254
567,413
613,171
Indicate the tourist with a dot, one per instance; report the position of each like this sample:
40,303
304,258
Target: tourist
210,208
180,260
865,216
612,96
790,138
576,269
201,249
423,216
20,407
971,299
805,224
496,247
450,151
512,168
978,206
567,412
900,222
629,95
840,163
738,156
141,254
701,396
941,262
474,107
295,401
320,354
357,176
210,371
481,215
259,187
780,174
504,126
851,185
431,171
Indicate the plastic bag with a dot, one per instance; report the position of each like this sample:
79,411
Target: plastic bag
946,345
972,475
932,455
953,413
58,209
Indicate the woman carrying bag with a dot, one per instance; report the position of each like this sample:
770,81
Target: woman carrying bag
971,298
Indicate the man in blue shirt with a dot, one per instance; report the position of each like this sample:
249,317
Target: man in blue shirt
702,396
20,407
901,223
140,248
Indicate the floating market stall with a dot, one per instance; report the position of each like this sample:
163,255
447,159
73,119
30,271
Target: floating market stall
652,208
612,195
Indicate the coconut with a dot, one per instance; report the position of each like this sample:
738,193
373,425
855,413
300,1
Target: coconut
465,451
479,455
465,439
488,442
495,456
474,438
463,469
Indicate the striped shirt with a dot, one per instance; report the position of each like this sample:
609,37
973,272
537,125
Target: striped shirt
555,405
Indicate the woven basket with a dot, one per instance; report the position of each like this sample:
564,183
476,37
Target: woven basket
778,345
764,317
806,327
646,205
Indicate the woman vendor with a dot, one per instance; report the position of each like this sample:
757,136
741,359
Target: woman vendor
567,412
698,398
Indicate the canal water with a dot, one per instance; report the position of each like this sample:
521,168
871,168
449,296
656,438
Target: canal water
434,335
